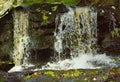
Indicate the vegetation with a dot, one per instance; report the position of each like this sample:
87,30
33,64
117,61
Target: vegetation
115,32
30,2
77,75
72,2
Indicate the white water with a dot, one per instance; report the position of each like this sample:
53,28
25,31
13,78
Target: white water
77,30
83,61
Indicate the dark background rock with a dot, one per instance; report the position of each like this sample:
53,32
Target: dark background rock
106,24
6,36
41,31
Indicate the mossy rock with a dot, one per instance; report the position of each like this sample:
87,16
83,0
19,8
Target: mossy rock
89,75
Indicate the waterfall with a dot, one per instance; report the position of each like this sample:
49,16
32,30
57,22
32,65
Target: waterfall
77,31
75,35
21,39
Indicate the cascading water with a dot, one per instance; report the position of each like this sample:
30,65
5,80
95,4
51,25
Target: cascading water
21,40
77,31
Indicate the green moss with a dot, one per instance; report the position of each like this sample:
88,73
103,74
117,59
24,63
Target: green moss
27,77
75,43
7,27
104,77
80,80
38,10
71,2
45,18
93,75
115,32
2,80
30,2
54,8
51,73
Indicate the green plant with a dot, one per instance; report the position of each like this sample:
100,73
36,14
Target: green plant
44,17
71,2
54,8
115,32
27,77
30,2
50,73
7,27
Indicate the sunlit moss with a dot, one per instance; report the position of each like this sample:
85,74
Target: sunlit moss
45,18
104,77
78,75
30,2
27,77
50,73
54,8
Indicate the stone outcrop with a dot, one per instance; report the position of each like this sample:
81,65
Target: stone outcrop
6,5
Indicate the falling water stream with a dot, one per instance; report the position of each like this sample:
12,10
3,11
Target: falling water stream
21,40
77,31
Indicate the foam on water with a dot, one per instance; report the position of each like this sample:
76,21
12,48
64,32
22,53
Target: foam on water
83,61
20,68
16,69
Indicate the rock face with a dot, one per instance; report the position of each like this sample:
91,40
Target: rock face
109,29
6,26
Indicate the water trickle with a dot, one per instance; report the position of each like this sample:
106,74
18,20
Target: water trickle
21,39
77,31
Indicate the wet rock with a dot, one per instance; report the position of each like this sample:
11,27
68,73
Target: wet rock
6,26
11,77
6,66
41,55
114,77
